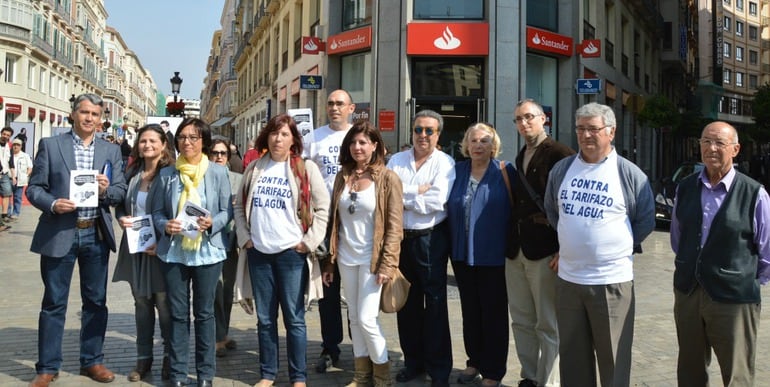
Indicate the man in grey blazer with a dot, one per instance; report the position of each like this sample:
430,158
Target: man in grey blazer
67,234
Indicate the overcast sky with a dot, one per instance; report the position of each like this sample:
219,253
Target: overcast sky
168,36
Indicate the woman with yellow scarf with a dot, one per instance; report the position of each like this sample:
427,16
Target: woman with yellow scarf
192,260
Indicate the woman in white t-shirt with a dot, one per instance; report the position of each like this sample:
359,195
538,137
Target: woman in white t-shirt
280,216
365,244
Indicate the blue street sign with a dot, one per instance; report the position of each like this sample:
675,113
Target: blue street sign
311,82
588,86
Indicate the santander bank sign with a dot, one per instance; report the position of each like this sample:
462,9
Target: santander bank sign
548,41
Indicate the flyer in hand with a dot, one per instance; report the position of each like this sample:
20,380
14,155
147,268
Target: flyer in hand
141,234
84,188
189,218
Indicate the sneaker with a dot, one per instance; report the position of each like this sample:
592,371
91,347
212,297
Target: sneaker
326,361
527,383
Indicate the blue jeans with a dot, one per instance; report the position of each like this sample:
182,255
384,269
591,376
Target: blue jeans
423,323
91,255
280,279
15,210
144,316
204,285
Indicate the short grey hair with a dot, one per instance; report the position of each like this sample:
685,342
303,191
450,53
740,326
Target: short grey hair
93,98
594,109
430,114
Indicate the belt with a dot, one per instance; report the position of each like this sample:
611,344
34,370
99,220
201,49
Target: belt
417,233
85,223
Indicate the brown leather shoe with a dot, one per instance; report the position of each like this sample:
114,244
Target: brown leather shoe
99,373
43,380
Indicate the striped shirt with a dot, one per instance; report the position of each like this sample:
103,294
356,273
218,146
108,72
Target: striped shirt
84,160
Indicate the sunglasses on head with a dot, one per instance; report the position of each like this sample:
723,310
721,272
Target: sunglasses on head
428,131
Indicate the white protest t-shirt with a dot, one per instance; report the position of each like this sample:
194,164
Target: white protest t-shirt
595,237
274,227
323,147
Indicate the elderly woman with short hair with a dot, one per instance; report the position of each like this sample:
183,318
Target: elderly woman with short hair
479,212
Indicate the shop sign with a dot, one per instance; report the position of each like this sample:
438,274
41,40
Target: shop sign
588,86
590,48
13,108
387,120
312,45
447,39
311,82
547,41
353,40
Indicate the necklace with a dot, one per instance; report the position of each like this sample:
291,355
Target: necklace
354,190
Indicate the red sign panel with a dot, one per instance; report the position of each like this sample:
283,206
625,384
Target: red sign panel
51,117
547,41
31,113
42,115
353,40
590,48
447,39
12,108
311,45
387,120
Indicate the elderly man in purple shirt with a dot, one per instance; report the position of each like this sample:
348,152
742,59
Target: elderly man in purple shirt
720,233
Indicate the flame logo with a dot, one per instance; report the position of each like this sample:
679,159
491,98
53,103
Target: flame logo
447,40
311,46
334,45
536,39
590,48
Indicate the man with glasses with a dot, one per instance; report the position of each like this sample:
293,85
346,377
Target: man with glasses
68,234
322,145
427,175
531,275
722,257
602,207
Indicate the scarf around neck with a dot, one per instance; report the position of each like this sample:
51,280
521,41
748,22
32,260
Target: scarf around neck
191,177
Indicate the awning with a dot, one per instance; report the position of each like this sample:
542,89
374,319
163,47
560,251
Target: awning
12,108
221,122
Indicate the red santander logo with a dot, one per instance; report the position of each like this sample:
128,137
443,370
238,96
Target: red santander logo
548,41
447,39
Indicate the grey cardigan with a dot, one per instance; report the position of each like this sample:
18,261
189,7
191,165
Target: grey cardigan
640,204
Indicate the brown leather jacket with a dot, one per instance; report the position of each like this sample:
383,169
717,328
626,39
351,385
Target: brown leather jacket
388,223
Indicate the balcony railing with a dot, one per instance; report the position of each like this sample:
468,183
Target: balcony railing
14,32
43,45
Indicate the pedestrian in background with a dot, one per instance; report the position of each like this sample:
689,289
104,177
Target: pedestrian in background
66,234
223,303
142,270
427,175
7,176
192,261
720,235
365,242
479,211
530,275
602,207
23,167
281,212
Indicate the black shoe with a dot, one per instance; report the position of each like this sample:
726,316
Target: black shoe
439,383
527,383
406,374
464,378
205,383
326,361
179,383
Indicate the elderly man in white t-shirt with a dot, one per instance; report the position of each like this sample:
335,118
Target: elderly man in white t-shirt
23,167
602,207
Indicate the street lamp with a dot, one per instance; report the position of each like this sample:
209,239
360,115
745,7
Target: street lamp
176,84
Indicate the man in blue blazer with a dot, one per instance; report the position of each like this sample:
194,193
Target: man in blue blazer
66,234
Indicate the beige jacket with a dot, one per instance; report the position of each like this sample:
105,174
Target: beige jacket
319,202
388,223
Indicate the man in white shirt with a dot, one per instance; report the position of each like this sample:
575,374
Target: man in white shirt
602,207
322,146
23,167
7,175
427,175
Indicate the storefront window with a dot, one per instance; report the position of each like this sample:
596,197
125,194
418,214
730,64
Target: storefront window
355,74
448,9
356,13
456,78
541,84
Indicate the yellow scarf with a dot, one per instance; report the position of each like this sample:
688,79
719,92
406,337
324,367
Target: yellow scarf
191,176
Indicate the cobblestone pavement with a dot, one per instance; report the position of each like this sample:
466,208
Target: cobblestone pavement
654,351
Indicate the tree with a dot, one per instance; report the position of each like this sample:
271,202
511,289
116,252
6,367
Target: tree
760,107
659,112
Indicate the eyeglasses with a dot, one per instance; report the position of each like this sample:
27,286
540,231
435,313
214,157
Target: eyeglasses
428,131
336,103
527,117
193,139
590,129
218,153
719,144
352,206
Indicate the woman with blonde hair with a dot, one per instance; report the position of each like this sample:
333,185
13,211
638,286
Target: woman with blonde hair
479,212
